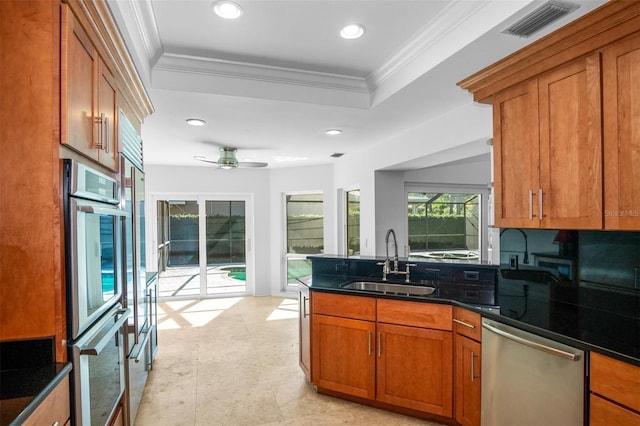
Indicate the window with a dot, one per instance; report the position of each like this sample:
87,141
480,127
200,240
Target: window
352,221
445,224
305,234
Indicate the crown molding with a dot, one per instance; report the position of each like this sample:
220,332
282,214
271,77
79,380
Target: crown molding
448,20
233,77
147,27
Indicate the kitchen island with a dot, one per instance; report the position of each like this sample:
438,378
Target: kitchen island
366,333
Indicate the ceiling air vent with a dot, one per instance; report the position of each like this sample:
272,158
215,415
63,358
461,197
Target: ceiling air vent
337,155
540,18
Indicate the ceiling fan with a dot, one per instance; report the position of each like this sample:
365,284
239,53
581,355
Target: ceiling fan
228,160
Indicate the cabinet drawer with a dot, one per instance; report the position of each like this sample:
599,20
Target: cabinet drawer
467,323
606,413
415,314
615,380
54,409
341,305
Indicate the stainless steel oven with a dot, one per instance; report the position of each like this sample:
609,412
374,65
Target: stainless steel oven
98,369
93,222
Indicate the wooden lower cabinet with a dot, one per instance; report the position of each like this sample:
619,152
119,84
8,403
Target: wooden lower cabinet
606,413
467,380
343,355
363,347
414,368
54,409
615,392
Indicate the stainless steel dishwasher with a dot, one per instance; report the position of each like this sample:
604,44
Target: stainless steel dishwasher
529,380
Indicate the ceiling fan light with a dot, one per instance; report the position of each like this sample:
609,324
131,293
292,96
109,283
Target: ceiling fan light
227,9
227,158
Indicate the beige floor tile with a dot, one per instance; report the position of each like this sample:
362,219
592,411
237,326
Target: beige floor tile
234,362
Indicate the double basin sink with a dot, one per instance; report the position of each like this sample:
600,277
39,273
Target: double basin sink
389,288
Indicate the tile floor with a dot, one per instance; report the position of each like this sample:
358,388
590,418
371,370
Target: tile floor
234,361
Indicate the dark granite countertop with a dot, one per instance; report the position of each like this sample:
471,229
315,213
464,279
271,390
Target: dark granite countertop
22,390
592,319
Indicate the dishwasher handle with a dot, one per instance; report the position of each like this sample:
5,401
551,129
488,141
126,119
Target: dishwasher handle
545,348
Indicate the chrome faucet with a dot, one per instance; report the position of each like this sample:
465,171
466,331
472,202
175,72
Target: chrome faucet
386,267
395,246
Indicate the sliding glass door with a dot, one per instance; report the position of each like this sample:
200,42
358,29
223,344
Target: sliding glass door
203,247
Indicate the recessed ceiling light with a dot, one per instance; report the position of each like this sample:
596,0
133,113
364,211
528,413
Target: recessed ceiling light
227,9
196,122
333,132
352,31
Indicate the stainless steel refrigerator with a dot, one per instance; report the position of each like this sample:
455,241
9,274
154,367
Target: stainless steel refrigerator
136,296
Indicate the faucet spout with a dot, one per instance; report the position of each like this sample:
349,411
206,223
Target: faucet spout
395,245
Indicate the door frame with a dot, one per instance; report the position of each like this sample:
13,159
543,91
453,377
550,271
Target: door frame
200,198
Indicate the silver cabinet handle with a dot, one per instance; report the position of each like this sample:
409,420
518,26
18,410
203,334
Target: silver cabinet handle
379,344
548,349
457,321
99,143
530,204
540,201
105,132
370,343
305,313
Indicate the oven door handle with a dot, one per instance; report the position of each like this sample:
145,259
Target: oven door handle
98,343
103,210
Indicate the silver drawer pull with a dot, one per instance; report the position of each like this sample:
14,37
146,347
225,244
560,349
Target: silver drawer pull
466,324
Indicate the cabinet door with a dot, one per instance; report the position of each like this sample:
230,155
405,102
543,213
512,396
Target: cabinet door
108,154
605,413
516,156
467,392
79,68
343,355
304,329
415,368
571,146
621,77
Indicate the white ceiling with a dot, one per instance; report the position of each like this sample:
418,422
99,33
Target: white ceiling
271,82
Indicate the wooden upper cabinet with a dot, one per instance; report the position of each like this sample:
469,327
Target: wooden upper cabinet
548,150
621,104
107,116
571,146
88,96
516,155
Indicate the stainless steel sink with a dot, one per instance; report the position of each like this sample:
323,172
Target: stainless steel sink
388,288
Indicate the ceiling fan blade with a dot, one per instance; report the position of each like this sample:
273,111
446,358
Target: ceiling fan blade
252,164
206,161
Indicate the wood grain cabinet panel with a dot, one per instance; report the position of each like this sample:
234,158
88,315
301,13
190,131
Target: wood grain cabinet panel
548,150
415,368
343,355
468,355
621,104
88,96
55,409
615,380
606,413
516,155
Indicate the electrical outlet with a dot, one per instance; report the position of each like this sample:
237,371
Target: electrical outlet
513,261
